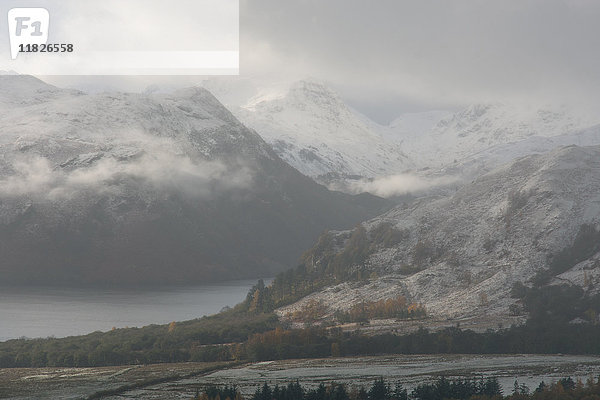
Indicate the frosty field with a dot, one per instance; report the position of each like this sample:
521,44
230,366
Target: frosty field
80,383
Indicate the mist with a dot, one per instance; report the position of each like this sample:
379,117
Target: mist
35,176
400,184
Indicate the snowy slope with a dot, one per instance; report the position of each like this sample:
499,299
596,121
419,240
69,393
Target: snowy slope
418,153
411,127
311,128
470,248
492,157
480,127
19,91
130,188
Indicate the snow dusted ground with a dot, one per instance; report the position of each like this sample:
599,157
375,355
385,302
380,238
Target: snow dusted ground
586,274
461,135
123,187
480,242
409,370
311,128
76,383
80,383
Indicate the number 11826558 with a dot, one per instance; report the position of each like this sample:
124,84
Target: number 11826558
46,48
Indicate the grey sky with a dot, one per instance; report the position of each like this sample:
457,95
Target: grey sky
393,56
430,53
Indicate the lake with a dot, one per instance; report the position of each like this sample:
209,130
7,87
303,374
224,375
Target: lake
60,312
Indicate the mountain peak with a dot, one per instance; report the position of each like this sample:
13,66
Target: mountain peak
315,91
298,95
311,128
23,90
132,188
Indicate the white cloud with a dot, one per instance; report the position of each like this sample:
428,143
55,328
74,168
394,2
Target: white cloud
35,176
397,185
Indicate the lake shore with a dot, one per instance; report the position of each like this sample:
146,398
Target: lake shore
40,312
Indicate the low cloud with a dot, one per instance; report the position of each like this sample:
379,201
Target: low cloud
35,176
401,184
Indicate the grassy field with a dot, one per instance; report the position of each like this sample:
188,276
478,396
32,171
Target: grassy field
95,383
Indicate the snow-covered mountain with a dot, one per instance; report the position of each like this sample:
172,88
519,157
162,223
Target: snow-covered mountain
312,129
315,131
478,128
461,255
489,158
133,188
413,126
23,90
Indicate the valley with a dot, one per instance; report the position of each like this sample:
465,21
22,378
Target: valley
227,205
355,201
124,189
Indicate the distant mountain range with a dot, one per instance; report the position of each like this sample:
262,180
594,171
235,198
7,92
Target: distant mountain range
482,137
156,188
518,200
311,127
119,188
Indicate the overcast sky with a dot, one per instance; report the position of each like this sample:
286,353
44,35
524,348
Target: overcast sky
390,56
427,53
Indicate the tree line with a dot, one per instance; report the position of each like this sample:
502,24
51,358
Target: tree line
251,331
441,389
397,308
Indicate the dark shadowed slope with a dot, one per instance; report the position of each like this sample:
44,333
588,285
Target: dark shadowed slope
130,188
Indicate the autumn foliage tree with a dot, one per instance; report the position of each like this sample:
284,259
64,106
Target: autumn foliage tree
389,308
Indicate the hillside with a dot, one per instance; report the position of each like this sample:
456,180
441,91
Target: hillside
315,131
485,160
454,138
534,221
162,188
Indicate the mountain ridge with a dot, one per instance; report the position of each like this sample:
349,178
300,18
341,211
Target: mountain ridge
315,131
118,188
460,256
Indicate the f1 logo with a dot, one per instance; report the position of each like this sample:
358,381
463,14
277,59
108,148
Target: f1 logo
27,26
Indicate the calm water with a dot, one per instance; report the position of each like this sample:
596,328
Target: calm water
43,312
